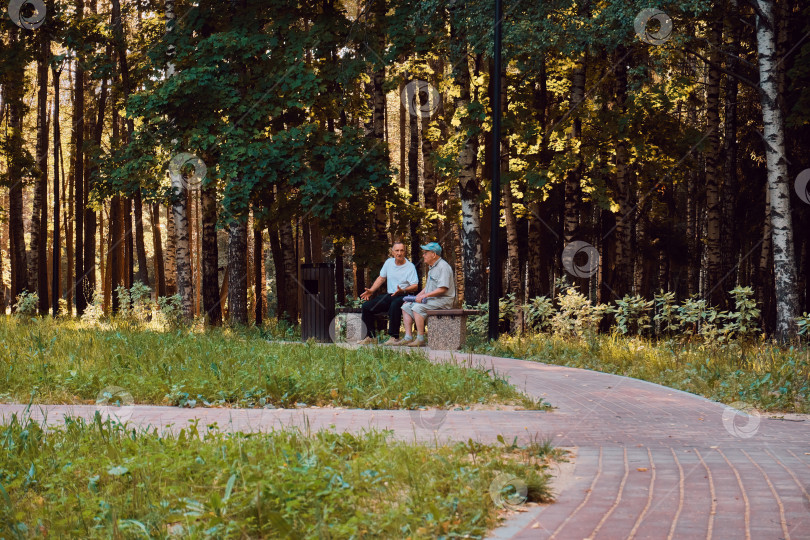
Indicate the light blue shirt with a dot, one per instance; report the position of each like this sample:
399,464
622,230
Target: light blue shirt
395,274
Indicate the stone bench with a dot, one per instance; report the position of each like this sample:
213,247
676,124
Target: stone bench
447,328
354,323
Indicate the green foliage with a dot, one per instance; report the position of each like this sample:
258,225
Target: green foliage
742,322
539,312
666,316
632,314
575,316
479,324
27,304
98,479
803,323
134,304
94,311
763,374
170,309
66,361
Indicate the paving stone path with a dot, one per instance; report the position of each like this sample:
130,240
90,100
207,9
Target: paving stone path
649,461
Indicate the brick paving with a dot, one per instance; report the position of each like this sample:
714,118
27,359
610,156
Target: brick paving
649,461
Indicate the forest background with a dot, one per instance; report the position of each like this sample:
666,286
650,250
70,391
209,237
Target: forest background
209,149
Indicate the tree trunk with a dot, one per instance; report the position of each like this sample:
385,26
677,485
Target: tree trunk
317,241
116,251
281,274
78,173
140,247
622,273
69,238
693,245
340,280
38,271
57,146
237,277
787,301
182,253
469,185
573,192
307,238
537,277
378,10
129,244
713,172
429,174
171,247
258,275
290,269
157,246
413,170
210,257
403,112
513,256
729,234
14,97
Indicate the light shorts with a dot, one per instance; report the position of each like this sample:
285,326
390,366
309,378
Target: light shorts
433,303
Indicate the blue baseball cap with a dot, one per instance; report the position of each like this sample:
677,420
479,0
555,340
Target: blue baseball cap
432,246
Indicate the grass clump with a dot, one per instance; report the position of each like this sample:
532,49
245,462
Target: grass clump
66,362
102,480
764,375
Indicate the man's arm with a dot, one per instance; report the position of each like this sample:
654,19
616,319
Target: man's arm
377,284
410,289
436,292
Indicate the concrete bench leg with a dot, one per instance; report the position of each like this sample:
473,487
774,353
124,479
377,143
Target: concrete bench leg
354,327
447,332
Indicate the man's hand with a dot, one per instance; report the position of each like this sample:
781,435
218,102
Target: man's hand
366,295
421,298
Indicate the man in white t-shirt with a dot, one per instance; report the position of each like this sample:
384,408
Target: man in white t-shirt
399,276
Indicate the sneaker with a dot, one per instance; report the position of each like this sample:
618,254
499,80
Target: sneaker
368,341
392,341
417,343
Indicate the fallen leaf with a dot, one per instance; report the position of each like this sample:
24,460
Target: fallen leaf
642,469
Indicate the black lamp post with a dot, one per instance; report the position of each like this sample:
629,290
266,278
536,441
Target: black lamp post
494,237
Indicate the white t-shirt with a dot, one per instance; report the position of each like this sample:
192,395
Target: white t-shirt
394,275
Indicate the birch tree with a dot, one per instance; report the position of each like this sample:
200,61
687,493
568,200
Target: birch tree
784,262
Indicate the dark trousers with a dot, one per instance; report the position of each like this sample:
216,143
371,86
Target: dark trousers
381,304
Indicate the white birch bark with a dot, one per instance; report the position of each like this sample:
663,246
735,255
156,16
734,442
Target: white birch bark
182,253
784,262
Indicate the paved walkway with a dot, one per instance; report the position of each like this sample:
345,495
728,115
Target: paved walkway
650,462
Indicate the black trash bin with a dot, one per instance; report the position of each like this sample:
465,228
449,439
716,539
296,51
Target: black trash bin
318,311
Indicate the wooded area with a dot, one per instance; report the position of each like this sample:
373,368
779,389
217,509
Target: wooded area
208,149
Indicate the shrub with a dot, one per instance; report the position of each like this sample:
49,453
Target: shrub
666,316
95,310
632,314
27,304
539,312
804,324
576,316
743,321
171,310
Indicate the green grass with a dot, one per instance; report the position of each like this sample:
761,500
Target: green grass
764,375
101,480
69,362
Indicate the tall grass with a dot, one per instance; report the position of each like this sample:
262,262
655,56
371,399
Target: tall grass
69,362
101,480
762,374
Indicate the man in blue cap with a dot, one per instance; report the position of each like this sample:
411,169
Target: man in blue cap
439,293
